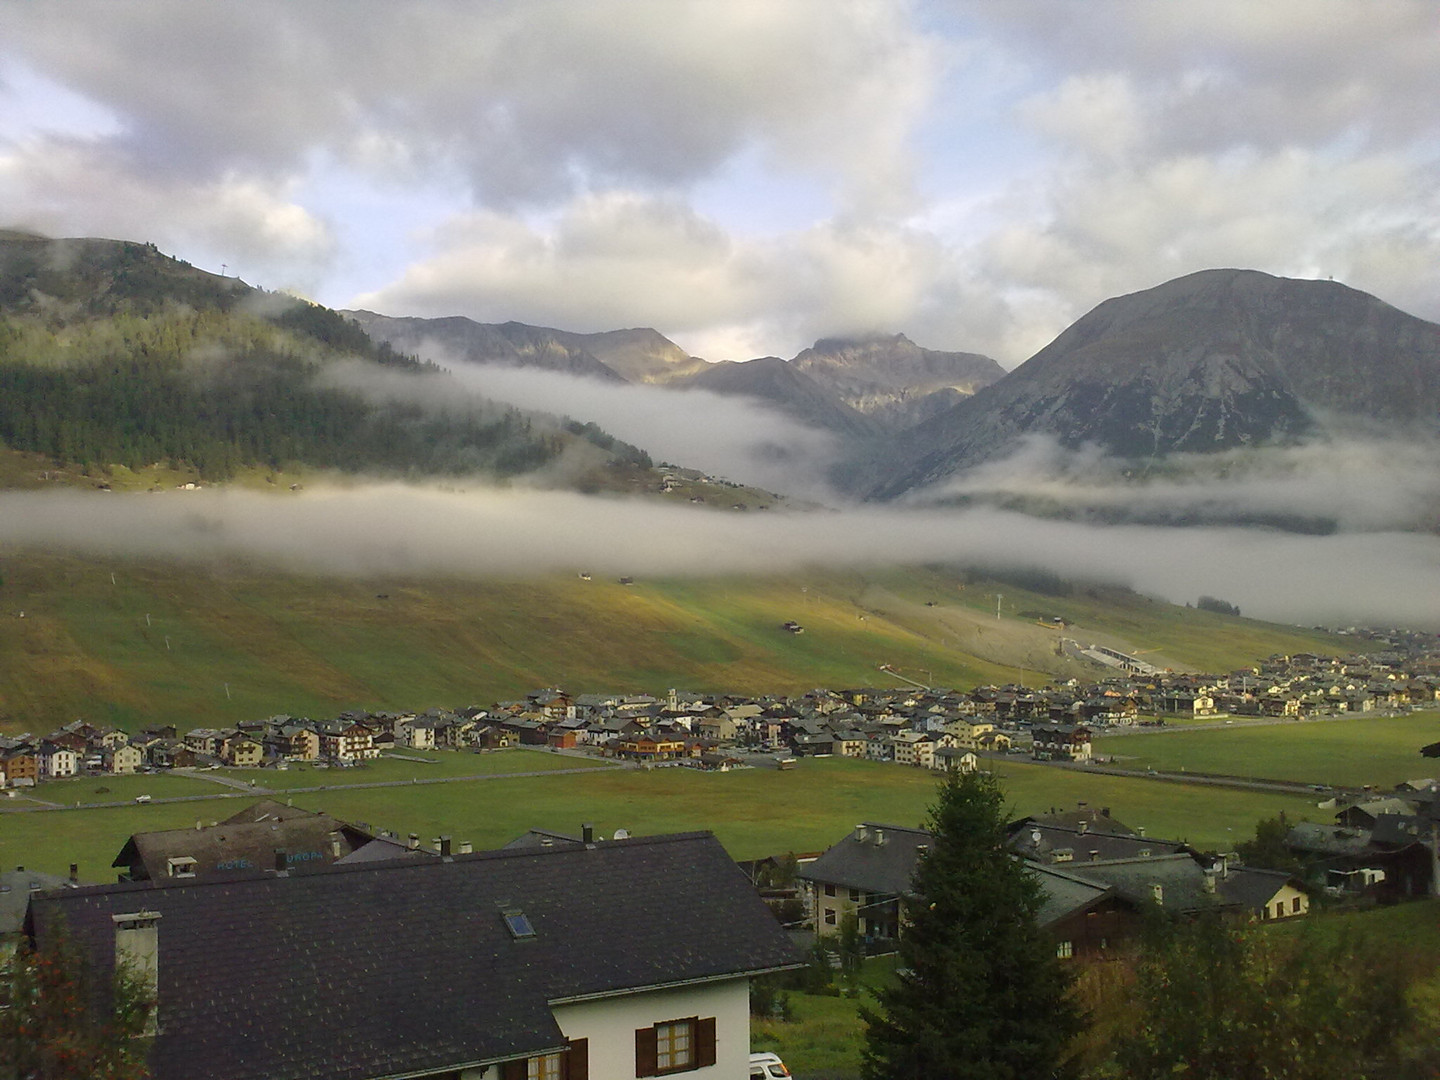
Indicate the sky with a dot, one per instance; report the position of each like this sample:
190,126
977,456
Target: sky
744,176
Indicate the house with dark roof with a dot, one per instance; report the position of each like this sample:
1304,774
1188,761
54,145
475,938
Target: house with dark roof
613,959
252,839
865,875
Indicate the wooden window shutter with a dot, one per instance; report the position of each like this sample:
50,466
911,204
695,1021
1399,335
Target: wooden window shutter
577,1061
704,1042
646,1058
513,1070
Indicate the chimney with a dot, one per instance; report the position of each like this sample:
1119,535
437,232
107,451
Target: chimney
1104,811
335,847
137,948
879,837
587,833
445,847
1140,831
466,847
1157,893
1094,854
1209,883
74,873
861,833
1084,827
414,844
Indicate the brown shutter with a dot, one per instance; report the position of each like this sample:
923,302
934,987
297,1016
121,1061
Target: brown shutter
577,1062
705,1042
513,1070
646,1055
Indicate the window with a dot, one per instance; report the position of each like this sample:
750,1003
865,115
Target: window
829,916
854,896
673,1046
518,924
569,1064
829,890
1065,950
1295,905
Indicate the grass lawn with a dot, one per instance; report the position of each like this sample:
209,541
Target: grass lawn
400,766
754,812
1381,751
101,789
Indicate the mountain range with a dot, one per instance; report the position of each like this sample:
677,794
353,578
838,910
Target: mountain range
1212,361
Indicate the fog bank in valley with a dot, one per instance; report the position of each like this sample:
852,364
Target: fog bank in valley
1380,577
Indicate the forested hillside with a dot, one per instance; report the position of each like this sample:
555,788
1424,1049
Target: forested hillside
111,353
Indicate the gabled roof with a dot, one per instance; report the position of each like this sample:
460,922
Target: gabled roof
243,844
874,857
1253,888
1043,842
1064,894
408,968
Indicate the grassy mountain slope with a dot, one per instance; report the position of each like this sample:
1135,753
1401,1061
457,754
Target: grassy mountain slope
157,643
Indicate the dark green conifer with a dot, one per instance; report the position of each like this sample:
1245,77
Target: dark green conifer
980,994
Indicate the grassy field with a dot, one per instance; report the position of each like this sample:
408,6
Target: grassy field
754,812
132,643
1381,751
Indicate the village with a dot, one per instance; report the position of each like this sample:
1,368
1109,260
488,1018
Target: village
920,726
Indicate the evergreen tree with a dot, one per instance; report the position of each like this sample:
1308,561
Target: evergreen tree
980,994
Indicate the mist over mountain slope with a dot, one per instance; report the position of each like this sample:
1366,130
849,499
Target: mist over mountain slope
112,353
1212,361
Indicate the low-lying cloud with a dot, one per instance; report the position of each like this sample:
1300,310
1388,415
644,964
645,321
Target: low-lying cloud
1349,484
1382,578
737,438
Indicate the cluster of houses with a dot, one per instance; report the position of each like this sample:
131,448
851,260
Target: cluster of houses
1097,879
1098,876
924,727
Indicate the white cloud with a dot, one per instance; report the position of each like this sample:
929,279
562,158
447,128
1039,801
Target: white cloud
1384,578
75,188
606,157
735,438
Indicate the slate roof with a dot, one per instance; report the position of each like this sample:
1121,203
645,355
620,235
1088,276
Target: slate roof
1253,888
404,968
1063,893
242,844
1050,843
16,887
865,864
1182,881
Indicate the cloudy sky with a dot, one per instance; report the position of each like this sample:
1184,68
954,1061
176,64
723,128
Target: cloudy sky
744,176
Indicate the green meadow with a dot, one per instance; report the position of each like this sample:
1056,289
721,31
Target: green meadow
754,812
1380,751
132,643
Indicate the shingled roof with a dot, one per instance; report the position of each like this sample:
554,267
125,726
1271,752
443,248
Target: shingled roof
403,968
874,857
249,840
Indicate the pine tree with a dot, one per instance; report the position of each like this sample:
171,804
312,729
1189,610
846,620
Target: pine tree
980,994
